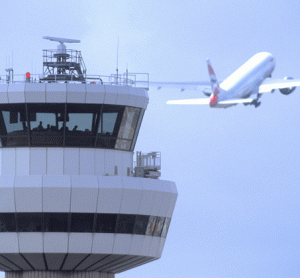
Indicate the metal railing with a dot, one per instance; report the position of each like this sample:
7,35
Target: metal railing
147,165
130,79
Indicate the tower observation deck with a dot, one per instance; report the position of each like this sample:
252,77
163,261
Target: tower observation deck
72,204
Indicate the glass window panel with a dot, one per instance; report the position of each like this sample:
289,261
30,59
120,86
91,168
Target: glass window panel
151,225
82,124
109,126
29,222
56,222
159,226
46,124
106,223
46,117
7,222
125,223
137,129
140,225
166,227
129,121
123,144
13,125
80,141
82,222
106,142
109,121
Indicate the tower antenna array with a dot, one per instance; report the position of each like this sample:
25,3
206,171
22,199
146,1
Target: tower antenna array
63,64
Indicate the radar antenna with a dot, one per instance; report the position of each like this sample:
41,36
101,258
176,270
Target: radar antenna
61,48
61,40
63,64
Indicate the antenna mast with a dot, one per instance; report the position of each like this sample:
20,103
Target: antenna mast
117,62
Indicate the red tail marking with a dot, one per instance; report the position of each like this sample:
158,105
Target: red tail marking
213,101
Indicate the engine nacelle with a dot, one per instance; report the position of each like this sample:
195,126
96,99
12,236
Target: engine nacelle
207,91
287,91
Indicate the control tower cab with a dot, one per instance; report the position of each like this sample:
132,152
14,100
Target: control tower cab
72,204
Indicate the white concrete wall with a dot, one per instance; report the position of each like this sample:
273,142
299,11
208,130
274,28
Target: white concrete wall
64,161
87,194
73,93
101,194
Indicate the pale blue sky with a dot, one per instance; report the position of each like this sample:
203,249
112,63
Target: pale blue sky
236,170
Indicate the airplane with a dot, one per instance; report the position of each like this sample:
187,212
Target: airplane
252,78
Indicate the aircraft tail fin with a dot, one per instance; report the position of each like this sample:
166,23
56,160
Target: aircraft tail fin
213,79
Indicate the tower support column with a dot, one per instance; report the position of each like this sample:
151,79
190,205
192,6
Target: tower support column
58,274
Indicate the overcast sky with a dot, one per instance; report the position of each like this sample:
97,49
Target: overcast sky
236,169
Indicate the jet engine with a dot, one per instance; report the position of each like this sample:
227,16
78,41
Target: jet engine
287,91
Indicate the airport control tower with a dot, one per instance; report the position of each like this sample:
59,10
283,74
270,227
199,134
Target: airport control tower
72,203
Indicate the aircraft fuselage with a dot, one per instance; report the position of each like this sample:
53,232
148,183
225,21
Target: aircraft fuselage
246,80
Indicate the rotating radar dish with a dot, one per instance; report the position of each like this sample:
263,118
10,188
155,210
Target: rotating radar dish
61,40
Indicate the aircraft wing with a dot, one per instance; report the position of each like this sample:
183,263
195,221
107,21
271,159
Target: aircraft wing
271,84
180,85
196,101
221,104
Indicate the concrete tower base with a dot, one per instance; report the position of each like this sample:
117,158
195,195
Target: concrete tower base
58,274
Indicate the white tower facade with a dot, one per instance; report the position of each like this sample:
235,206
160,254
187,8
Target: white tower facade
71,202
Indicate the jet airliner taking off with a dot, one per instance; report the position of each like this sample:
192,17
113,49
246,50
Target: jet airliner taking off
252,78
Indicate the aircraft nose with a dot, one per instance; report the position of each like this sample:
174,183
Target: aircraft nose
213,101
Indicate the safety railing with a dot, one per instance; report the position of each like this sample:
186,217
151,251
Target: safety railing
147,165
130,79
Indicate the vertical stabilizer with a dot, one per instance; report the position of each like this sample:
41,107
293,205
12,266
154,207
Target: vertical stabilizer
212,77
214,85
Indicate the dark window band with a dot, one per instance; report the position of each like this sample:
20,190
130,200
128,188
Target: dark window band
69,125
84,223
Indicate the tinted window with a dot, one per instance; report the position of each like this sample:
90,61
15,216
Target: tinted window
129,121
46,124
7,222
82,222
106,223
72,125
140,225
29,222
125,223
14,125
109,126
158,226
166,227
137,129
151,225
56,222
123,144
82,124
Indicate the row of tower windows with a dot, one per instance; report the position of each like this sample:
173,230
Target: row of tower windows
69,125
85,223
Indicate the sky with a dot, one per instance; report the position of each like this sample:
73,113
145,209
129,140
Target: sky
236,169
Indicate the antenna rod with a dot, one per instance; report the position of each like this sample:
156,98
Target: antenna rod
117,61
